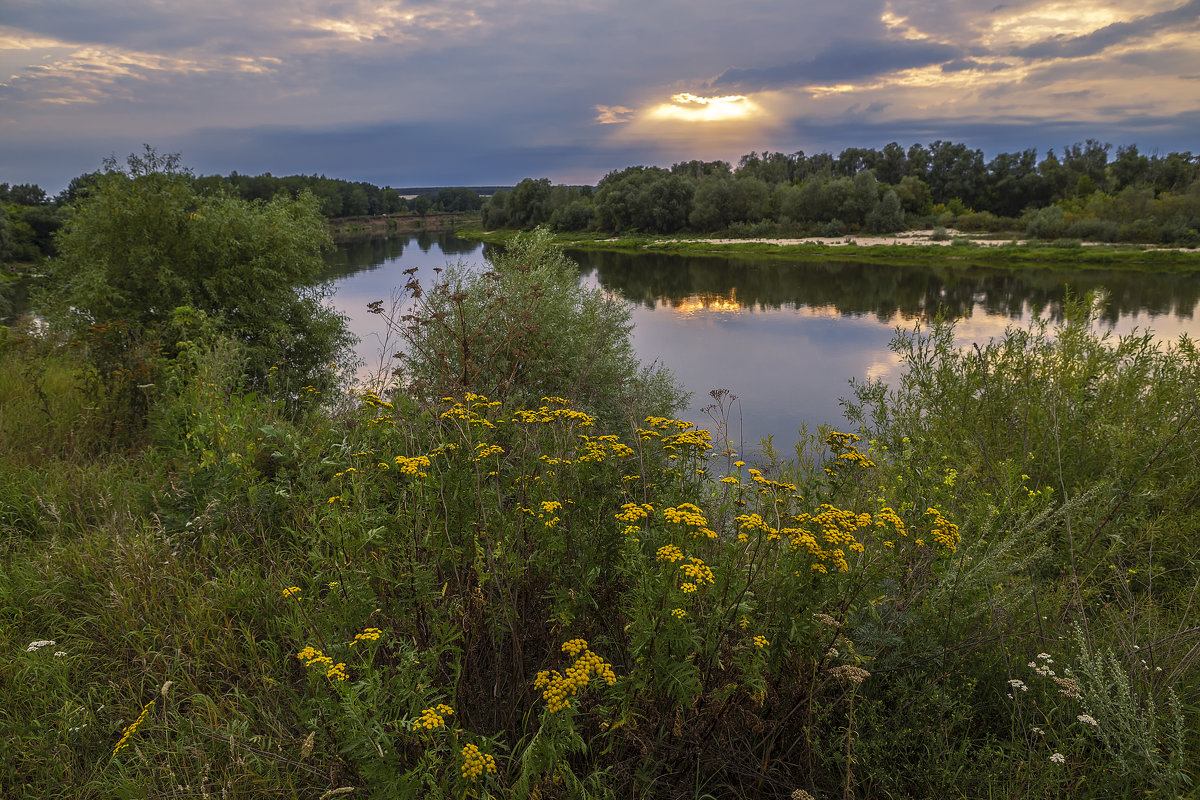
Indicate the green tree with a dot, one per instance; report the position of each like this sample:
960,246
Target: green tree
143,243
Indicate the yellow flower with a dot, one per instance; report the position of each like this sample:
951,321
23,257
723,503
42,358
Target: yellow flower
475,762
433,717
132,729
761,641
291,591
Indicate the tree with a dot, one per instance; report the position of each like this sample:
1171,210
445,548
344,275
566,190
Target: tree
143,243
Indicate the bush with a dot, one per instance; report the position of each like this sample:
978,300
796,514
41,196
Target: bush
524,330
144,242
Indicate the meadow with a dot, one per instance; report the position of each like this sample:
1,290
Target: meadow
509,571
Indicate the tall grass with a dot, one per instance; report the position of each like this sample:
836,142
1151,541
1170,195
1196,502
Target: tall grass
986,590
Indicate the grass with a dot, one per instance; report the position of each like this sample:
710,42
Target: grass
858,620
962,252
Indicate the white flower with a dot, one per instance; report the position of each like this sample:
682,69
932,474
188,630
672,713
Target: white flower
1039,731
1088,719
1046,657
39,644
1058,758
1017,684
1032,665
59,653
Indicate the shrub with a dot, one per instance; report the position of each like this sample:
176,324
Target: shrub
527,329
144,242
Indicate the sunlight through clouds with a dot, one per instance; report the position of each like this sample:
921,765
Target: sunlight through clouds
693,108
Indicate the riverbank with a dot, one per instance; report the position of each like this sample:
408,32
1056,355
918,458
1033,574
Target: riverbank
381,225
950,248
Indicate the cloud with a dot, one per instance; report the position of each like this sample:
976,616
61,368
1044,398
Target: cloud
612,115
973,64
843,61
1187,15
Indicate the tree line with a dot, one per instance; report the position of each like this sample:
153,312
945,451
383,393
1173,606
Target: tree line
30,217
1087,191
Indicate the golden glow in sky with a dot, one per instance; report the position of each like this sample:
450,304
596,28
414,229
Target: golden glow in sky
694,108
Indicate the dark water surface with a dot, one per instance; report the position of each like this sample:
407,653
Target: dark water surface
784,336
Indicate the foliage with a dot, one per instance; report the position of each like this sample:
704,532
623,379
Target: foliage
1132,198
523,330
986,591
143,243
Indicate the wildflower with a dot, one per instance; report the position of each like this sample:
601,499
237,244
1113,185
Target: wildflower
291,591
1088,719
132,729
848,673
475,763
634,512
697,572
825,619
761,641
433,717
1068,687
59,653
1058,758
557,689
669,552
678,613
1038,731
368,635
1017,684
1045,657
39,644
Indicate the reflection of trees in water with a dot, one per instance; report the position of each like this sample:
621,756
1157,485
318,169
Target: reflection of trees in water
350,257
880,289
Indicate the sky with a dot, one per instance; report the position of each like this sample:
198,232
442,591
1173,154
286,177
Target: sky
487,92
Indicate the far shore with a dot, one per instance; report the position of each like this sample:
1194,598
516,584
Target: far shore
948,246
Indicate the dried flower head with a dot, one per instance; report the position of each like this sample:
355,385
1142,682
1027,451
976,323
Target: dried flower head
848,673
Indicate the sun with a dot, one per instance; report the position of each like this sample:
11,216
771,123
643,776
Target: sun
695,108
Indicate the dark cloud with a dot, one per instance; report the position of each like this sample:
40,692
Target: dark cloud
970,64
1104,38
846,60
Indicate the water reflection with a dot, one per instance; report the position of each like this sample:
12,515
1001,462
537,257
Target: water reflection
785,336
884,291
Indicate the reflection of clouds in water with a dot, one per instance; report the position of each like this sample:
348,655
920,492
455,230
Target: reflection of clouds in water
886,369
790,352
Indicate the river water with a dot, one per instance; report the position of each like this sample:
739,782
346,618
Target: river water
784,337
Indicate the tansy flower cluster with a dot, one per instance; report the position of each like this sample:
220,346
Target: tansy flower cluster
368,635
546,414
475,763
943,532
132,729
557,689
469,410
315,658
761,641
843,445
483,450
548,516
414,466
634,512
690,515
669,552
291,591
433,717
600,448
697,574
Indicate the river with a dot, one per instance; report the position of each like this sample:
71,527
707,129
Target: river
784,337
